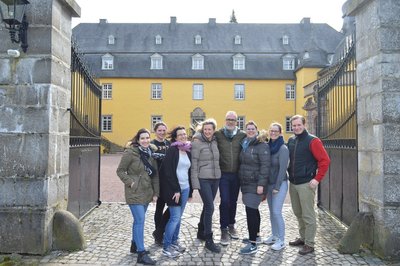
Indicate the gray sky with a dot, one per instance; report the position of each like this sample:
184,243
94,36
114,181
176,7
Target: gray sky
189,11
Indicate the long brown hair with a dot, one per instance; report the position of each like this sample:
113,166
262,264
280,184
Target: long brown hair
135,139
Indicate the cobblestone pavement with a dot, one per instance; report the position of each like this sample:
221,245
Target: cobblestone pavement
108,233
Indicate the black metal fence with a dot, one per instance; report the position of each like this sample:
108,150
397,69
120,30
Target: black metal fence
85,137
337,128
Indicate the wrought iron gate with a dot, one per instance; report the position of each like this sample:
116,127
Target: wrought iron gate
337,128
84,158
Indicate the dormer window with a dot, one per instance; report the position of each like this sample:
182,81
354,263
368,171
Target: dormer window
158,39
285,40
107,62
289,62
238,39
239,62
197,62
306,55
330,58
197,39
156,61
111,39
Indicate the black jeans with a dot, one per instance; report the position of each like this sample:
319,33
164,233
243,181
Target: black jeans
253,223
228,191
208,191
160,217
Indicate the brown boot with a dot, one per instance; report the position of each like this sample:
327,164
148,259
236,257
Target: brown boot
306,249
297,242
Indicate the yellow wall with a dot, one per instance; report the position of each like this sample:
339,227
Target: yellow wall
131,105
304,76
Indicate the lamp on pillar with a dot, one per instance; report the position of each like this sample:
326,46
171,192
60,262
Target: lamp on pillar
12,13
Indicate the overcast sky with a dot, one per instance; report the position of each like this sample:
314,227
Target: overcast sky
189,11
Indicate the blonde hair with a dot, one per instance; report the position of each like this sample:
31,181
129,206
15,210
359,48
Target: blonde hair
209,121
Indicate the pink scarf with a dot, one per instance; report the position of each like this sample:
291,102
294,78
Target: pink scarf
183,146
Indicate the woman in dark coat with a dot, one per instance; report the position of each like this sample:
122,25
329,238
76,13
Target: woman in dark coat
175,170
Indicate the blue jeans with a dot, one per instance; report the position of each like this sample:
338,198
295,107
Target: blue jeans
139,213
208,191
229,191
171,234
275,204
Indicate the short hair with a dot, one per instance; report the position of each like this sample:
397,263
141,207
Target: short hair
135,139
251,122
303,120
158,124
231,113
173,133
276,124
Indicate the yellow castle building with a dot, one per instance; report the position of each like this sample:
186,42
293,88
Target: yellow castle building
182,73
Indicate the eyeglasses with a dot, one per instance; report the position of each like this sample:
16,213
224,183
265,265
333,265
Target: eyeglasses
230,120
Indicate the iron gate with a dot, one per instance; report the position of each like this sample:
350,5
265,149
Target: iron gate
337,128
85,135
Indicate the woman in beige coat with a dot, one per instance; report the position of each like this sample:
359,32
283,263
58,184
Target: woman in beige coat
205,176
138,171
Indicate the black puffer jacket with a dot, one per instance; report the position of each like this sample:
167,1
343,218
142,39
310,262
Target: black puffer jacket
255,163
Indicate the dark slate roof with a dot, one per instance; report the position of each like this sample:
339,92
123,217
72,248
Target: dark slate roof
261,45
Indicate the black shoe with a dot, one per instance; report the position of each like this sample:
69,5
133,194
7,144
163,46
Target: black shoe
211,246
133,247
143,258
157,238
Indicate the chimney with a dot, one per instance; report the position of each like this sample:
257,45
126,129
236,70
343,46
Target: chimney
305,21
172,24
103,21
306,24
173,20
212,21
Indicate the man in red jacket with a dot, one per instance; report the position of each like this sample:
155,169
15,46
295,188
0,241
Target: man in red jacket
308,165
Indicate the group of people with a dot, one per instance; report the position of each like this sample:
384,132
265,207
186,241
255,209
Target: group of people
168,169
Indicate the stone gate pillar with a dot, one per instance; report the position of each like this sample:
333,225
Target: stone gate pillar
34,127
378,112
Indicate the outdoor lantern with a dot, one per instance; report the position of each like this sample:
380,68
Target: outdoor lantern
13,15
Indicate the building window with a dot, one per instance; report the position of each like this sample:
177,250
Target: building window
111,39
106,123
290,91
156,61
288,124
107,91
238,39
154,120
241,121
197,91
197,39
239,91
197,62
239,62
288,63
196,117
107,62
156,91
158,39
306,55
285,39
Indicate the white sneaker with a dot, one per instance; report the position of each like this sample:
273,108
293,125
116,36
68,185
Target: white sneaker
278,245
270,240
170,252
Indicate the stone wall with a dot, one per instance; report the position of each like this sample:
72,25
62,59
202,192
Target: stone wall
378,80
34,127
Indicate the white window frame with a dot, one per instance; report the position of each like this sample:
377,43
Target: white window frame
156,91
288,63
154,120
285,40
288,125
107,62
197,62
239,62
290,92
106,123
241,121
238,40
156,61
198,91
197,39
158,39
239,91
106,90
111,39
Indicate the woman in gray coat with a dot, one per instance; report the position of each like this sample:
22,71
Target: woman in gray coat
205,176
253,174
277,186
